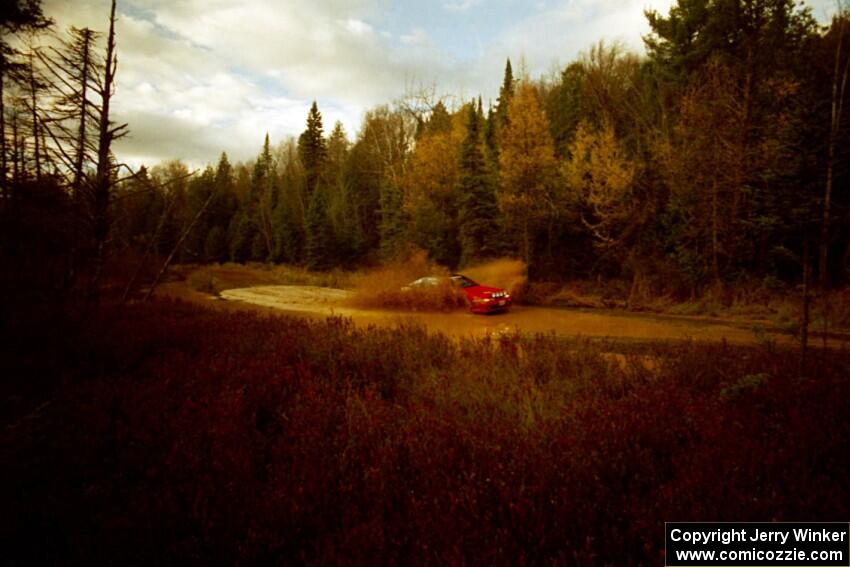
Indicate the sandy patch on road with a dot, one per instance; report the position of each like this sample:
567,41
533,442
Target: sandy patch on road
292,297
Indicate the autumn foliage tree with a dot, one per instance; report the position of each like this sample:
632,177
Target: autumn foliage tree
528,171
706,169
600,177
430,192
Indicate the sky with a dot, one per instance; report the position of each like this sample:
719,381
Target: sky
198,77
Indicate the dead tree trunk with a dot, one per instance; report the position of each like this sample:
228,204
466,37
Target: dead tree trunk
804,330
16,158
839,85
4,169
79,159
33,86
105,172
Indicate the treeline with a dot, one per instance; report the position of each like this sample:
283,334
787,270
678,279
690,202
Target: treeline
720,156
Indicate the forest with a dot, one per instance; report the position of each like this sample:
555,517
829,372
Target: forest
145,428
718,157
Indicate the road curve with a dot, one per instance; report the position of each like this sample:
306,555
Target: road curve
525,319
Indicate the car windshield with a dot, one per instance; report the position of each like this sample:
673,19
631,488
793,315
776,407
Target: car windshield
427,281
463,281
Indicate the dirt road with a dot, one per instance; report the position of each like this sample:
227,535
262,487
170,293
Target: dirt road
569,322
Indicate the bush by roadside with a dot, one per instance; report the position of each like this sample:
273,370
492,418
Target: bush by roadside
164,433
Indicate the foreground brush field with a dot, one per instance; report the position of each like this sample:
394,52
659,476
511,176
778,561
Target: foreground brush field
170,433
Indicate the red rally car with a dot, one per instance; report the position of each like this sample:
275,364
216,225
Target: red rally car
481,298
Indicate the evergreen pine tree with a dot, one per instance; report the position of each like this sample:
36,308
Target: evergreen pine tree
392,220
478,217
223,172
440,119
490,142
215,246
312,149
262,169
497,119
224,203
319,246
288,216
242,232
506,93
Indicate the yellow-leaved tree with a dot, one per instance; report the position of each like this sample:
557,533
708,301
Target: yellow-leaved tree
430,196
528,170
600,177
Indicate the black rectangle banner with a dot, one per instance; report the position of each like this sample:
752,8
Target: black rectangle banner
762,544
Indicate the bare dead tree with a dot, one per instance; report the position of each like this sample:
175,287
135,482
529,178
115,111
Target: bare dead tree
418,101
839,84
71,70
4,167
35,88
16,165
28,18
804,325
105,175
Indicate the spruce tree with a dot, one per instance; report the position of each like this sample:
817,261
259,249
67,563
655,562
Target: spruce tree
261,202
288,216
392,220
478,216
319,246
497,119
312,149
241,236
440,119
506,93
490,141
224,203
262,169
215,245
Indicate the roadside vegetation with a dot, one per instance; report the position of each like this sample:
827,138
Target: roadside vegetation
163,432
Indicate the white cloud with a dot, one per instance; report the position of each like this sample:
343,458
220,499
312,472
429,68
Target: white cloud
417,36
200,76
358,27
561,32
188,94
461,5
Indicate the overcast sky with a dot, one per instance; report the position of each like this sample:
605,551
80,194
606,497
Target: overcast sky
198,77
